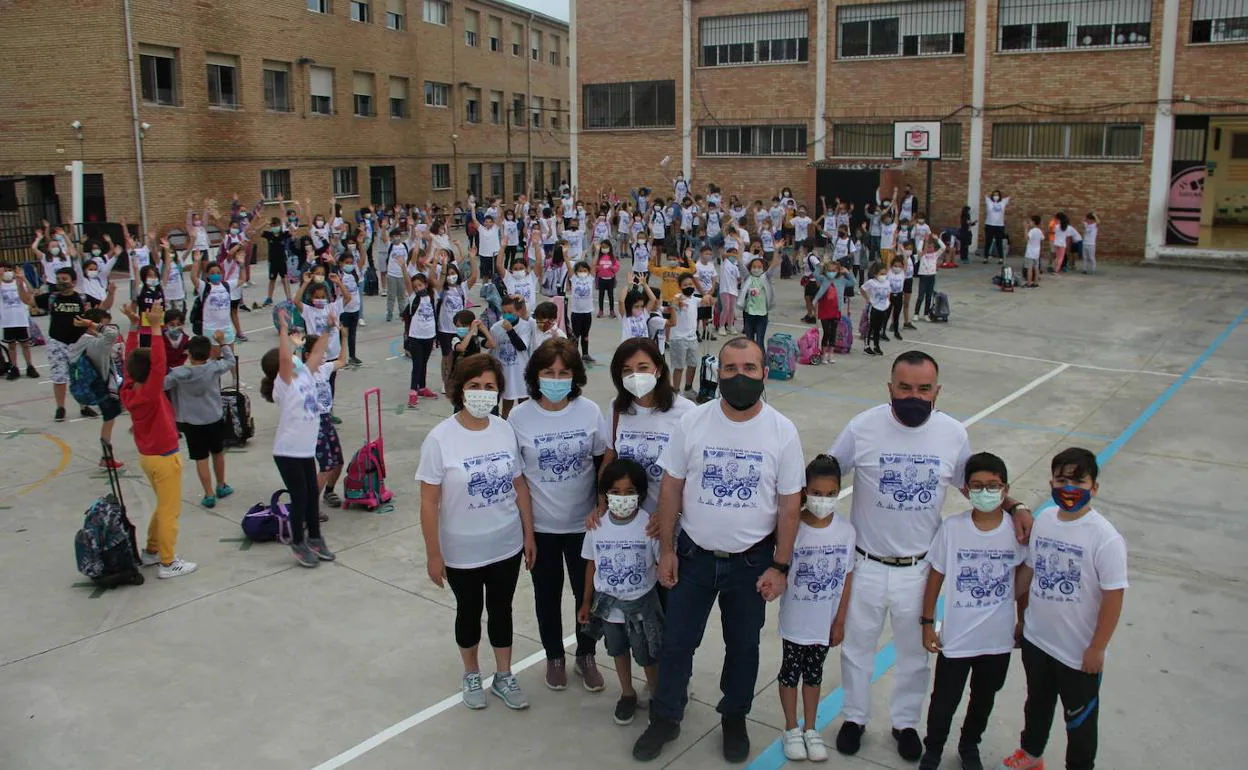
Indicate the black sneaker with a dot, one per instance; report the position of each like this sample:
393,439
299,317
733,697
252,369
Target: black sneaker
849,739
970,758
909,747
870,352
896,334
930,760
736,739
87,411
32,372
625,709
60,414
883,338
658,732
14,374
588,359
908,325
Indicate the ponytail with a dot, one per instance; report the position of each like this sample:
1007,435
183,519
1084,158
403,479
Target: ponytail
266,389
270,366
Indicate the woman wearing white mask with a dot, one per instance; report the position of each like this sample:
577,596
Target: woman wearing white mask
477,521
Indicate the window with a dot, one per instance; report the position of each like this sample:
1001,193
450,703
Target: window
398,97
346,182
276,86
875,140
753,38
381,184
472,21
517,35
519,182
950,140
1060,141
1028,25
222,80
321,89
496,107
1239,146
275,184
496,34
318,6
474,179
539,177
360,11
437,11
437,94
752,140
441,176
554,175
924,28
536,111
472,105
496,180
556,108
396,15
158,73
535,44
643,104
517,110
554,50
1220,21
363,92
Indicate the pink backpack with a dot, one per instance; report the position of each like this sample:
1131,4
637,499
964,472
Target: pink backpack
808,351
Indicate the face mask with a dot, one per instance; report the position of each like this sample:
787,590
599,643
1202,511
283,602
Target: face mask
687,291
7,276
480,403
1071,498
348,268
582,276
996,197
152,283
518,273
299,367
461,331
640,384
197,223
174,334
275,230
452,279
985,500
882,277
897,271
741,392
622,506
95,252
233,231
510,318
554,390
606,252
214,278
93,273
912,412
820,507
320,303
756,271
54,251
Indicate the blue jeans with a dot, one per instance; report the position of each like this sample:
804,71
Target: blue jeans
702,579
755,327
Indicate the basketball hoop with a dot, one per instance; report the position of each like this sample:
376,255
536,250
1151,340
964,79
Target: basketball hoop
909,160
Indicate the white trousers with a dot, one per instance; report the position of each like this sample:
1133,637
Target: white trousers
898,592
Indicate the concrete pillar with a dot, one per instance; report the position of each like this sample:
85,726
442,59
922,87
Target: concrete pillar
76,192
574,100
1163,134
686,88
979,68
821,80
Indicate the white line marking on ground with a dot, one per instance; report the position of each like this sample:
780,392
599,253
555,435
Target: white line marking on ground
420,717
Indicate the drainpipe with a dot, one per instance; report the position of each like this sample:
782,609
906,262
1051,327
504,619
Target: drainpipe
574,122
134,119
979,65
821,80
1163,135
686,92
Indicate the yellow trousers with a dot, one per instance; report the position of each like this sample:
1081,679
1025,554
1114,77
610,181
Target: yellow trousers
165,474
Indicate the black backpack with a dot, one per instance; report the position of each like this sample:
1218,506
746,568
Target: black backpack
372,285
236,413
197,310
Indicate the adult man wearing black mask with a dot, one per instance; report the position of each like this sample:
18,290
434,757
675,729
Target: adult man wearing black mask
733,469
904,455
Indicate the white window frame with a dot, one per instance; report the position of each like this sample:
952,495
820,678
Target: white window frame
1220,21
273,182
437,94
748,39
361,11
346,182
720,141
436,12
319,6
443,170
1129,21
936,27
1066,130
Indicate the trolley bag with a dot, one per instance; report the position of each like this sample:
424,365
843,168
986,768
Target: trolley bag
372,284
365,484
236,413
708,378
864,322
808,348
781,357
844,335
940,308
105,547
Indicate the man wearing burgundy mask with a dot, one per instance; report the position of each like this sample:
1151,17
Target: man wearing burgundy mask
903,454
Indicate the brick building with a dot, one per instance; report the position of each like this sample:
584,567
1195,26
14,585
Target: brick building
372,101
1135,108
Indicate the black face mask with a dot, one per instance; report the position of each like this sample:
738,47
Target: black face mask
741,391
911,412
687,291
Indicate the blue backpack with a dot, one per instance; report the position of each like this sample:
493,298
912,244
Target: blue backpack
267,522
782,357
85,383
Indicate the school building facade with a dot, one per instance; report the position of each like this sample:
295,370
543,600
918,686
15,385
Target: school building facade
1137,109
361,101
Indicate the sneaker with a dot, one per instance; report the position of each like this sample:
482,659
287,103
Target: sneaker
112,465
355,362
363,322
208,501
224,490
883,338
148,559
650,744
600,314
247,284
413,400
267,301
474,695
587,669
304,555
970,758
816,749
317,544
322,517
332,499
557,674
32,372
909,746
870,352
849,739
908,325
930,760
87,411
897,334
625,710
588,359
736,739
1021,760
241,337
14,374
175,568
508,690
60,414
426,393
794,746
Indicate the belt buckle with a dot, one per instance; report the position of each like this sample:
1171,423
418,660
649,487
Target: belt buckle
721,554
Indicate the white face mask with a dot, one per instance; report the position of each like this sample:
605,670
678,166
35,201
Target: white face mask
518,273
93,273
480,403
640,384
452,279
820,507
152,282
622,506
7,276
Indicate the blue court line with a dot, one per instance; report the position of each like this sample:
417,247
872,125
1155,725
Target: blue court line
830,707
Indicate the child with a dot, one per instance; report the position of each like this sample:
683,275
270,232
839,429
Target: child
513,338
1031,257
621,598
328,446
149,293
421,335
195,390
580,290
683,332
978,550
174,338
707,276
877,292
1091,226
16,300
98,344
896,288
545,316
912,249
472,336
828,308
605,270
1077,572
814,605
636,305
729,289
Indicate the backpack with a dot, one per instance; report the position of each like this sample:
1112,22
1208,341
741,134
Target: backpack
1007,278
197,310
35,337
372,284
105,548
264,523
781,357
292,312
85,383
808,348
365,484
708,378
864,322
844,336
940,308
236,413
787,268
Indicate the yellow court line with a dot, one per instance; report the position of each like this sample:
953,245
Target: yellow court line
66,453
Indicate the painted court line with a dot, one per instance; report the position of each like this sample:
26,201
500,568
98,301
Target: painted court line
830,707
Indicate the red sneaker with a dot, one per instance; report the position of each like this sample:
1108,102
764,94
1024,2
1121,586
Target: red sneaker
426,393
413,399
1021,760
115,465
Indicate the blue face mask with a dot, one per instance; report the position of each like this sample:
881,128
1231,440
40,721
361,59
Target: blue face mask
554,390
461,331
510,318
1071,498
214,278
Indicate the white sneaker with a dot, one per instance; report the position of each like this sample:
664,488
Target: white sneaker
363,322
177,568
794,746
148,559
816,751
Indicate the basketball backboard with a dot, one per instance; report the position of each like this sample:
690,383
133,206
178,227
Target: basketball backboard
916,139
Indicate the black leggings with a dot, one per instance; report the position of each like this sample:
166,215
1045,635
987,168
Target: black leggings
554,552
878,320
490,589
299,477
579,324
895,303
829,331
421,350
801,663
606,290
350,321
995,236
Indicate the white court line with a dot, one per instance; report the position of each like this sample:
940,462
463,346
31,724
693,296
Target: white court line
446,704
451,701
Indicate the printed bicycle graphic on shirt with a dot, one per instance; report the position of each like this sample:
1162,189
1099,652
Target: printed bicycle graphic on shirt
984,581
624,568
823,575
731,479
644,449
909,477
489,476
1049,574
564,458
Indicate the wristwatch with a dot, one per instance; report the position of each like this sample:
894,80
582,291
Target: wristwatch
927,621
1015,507
780,567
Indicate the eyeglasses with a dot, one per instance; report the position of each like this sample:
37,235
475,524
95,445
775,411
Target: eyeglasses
985,487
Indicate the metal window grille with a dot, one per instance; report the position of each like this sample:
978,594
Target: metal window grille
643,104
539,177
1074,141
496,180
1189,144
875,140
437,94
441,176
754,38
1035,25
555,177
346,181
474,179
1219,21
950,140
519,178
275,184
758,141
924,28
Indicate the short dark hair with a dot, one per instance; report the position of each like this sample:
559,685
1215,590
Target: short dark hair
464,318
1076,463
986,462
555,349
1035,219
742,343
822,467
470,367
174,316
97,315
546,311
664,395
514,300
139,365
914,358
67,271
620,468
199,348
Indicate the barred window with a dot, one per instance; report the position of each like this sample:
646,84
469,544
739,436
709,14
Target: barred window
346,182
754,38
924,28
1220,21
275,184
950,140
643,104
1032,25
752,140
441,176
1075,141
